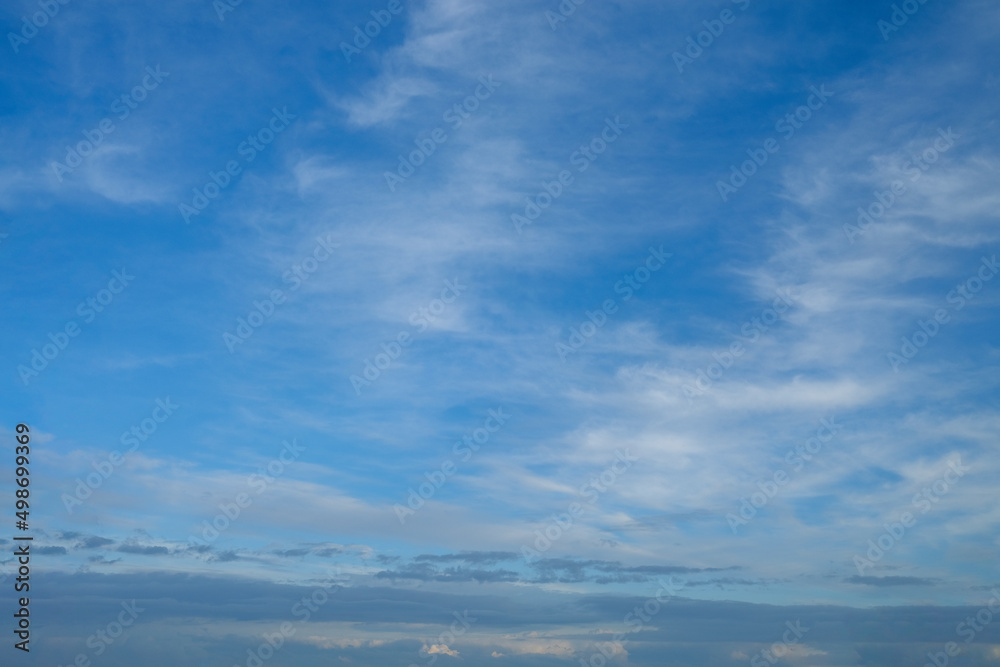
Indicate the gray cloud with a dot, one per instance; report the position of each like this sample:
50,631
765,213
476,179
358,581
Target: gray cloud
50,551
225,557
329,552
102,560
427,572
483,557
723,582
567,570
890,581
91,541
292,553
75,599
547,570
142,550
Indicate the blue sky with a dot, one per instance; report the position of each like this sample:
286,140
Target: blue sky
629,307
